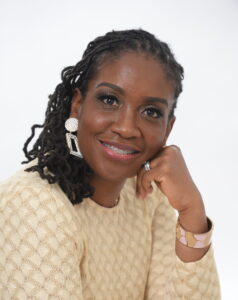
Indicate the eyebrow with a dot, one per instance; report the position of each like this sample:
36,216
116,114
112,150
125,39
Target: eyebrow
153,100
148,100
113,86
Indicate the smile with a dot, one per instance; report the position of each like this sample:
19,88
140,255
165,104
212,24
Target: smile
117,153
117,150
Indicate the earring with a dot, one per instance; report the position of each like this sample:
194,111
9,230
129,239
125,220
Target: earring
71,125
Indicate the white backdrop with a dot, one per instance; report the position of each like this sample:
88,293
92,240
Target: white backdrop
39,38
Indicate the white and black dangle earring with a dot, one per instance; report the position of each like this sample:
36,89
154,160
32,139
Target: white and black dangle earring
71,125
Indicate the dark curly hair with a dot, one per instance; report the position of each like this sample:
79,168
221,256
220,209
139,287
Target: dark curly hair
54,163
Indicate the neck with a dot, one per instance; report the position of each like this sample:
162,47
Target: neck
106,192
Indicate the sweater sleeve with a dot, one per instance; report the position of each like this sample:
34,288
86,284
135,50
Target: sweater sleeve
39,256
169,277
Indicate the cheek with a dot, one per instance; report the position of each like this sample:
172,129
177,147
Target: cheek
155,139
93,120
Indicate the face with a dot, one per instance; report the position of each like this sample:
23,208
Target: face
124,116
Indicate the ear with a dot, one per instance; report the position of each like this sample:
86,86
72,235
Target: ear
76,103
169,127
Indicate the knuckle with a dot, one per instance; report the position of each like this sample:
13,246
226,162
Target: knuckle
175,147
171,151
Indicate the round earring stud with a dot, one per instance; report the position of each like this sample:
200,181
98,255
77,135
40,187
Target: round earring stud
71,124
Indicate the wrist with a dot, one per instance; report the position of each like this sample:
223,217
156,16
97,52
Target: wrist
193,202
194,219
194,240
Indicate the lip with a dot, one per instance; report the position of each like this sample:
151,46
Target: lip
120,145
117,156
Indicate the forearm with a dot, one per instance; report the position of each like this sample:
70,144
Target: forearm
194,221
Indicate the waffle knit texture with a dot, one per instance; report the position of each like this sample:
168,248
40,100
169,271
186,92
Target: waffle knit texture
51,249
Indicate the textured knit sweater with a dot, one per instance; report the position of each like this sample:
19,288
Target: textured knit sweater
51,249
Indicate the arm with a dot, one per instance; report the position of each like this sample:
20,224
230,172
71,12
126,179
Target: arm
39,256
171,278
194,221
188,278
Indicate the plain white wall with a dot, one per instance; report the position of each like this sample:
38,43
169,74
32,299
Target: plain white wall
39,38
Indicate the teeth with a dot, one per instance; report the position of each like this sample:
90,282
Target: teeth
120,151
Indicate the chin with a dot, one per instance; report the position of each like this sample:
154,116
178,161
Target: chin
116,176
108,170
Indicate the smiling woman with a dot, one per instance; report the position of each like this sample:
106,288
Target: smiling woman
123,110
92,216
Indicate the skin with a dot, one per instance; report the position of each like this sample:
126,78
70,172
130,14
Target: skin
124,115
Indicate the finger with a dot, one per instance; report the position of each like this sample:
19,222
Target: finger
175,147
139,189
149,177
162,150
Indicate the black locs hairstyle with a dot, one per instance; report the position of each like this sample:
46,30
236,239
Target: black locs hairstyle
54,163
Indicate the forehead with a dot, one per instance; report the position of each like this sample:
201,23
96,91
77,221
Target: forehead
136,73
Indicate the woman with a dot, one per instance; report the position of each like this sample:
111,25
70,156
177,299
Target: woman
94,215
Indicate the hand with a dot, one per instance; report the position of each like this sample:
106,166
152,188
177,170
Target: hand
171,175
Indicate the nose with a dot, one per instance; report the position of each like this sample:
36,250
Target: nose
125,124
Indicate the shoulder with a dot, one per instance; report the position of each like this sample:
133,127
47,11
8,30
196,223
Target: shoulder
27,196
22,186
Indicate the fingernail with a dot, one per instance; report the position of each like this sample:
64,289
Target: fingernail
143,195
139,195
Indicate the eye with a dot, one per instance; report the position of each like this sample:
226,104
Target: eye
153,112
109,100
